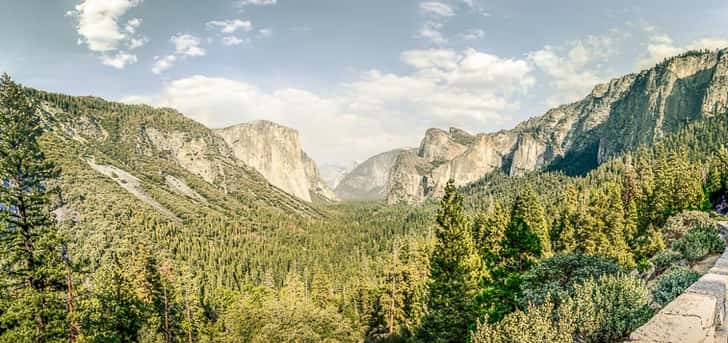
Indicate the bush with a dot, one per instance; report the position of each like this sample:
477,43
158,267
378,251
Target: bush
665,259
555,277
607,309
679,224
672,284
603,310
537,324
699,242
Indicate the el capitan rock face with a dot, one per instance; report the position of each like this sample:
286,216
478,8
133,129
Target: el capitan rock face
275,152
616,116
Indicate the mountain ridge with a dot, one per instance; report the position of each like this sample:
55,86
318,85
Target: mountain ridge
574,137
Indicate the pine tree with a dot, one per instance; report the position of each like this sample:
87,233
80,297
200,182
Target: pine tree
159,281
321,289
714,178
564,235
489,231
526,240
527,237
455,269
615,225
113,313
33,273
631,224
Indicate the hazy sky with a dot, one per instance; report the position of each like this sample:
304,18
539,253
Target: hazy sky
354,77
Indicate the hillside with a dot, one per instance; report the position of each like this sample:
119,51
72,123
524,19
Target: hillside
164,150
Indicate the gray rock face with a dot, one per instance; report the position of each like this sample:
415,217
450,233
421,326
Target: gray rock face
275,152
205,155
368,180
616,116
439,145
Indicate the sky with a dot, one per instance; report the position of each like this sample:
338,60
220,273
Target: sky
354,77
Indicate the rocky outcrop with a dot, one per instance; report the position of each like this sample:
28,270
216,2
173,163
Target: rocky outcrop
438,145
616,116
203,155
419,174
275,151
368,180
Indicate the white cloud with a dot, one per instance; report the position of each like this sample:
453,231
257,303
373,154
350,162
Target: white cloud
187,45
99,29
232,40
373,113
436,15
119,60
98,22
661,46
472,34
477,70
576,67
255,2
132,25
444,59
163,63
265,33
431,31
437,9
135,43
227,28
230,26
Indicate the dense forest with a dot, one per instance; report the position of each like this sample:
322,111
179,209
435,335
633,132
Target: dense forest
545,257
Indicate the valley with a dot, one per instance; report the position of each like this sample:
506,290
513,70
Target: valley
600,220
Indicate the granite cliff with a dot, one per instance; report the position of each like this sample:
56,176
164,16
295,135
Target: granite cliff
614,117
275,151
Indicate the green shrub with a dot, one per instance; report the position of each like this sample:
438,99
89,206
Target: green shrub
602,310
665,259
555,277
679,224
672,284
699,242
606,310
537,324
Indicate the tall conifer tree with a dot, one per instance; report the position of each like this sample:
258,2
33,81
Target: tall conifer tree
455,269
32,273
